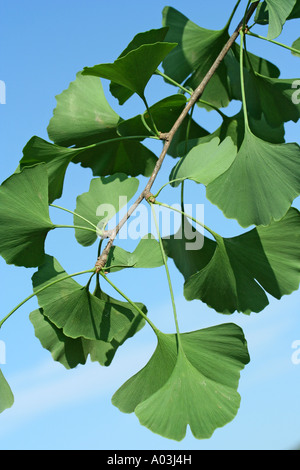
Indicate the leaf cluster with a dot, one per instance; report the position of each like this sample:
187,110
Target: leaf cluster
249,171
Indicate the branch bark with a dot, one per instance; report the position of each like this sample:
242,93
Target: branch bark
145,194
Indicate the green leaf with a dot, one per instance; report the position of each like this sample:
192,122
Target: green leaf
195,386
82,115
118,156
133,70
7,398
147,254
296,45
148,37
24,217
295,12
80,314
188,261
205,162
71,352
234,273
234,127
197,50
101,203
164,114
130,158
270,176
57,159
271,97
275,13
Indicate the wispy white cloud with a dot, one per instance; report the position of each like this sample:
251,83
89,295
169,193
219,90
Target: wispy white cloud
48,386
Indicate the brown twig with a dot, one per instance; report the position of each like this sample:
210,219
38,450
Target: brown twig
168,137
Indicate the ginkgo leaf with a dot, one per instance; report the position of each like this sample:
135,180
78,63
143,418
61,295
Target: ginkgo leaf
118,156
188,386
57,159
148,37
234,127
261,183
205,162
130,158
164,114
275,12
271,97
296,45
24,217
197,50
71,352
68,351
234,274
6,395
82,115
83,118
78,313
295,12
101,203
188,261
147,254
133,70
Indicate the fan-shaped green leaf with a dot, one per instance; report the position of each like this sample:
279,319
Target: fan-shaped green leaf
101,203
6,396
57,159
147,254
205,162
130,158
80,314
189,386
118,156
24,217
261,183
164,114
196,51
133,70
147,37
296,45
275,12
188,261
73,351
236,274
82,115
271,97
295,12
234,127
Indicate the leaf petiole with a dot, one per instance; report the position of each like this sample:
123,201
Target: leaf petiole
168,276
151,117
190,92
78,227
242,34
292,49
74,213
166,184
214,234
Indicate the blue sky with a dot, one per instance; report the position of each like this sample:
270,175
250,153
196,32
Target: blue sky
43,46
